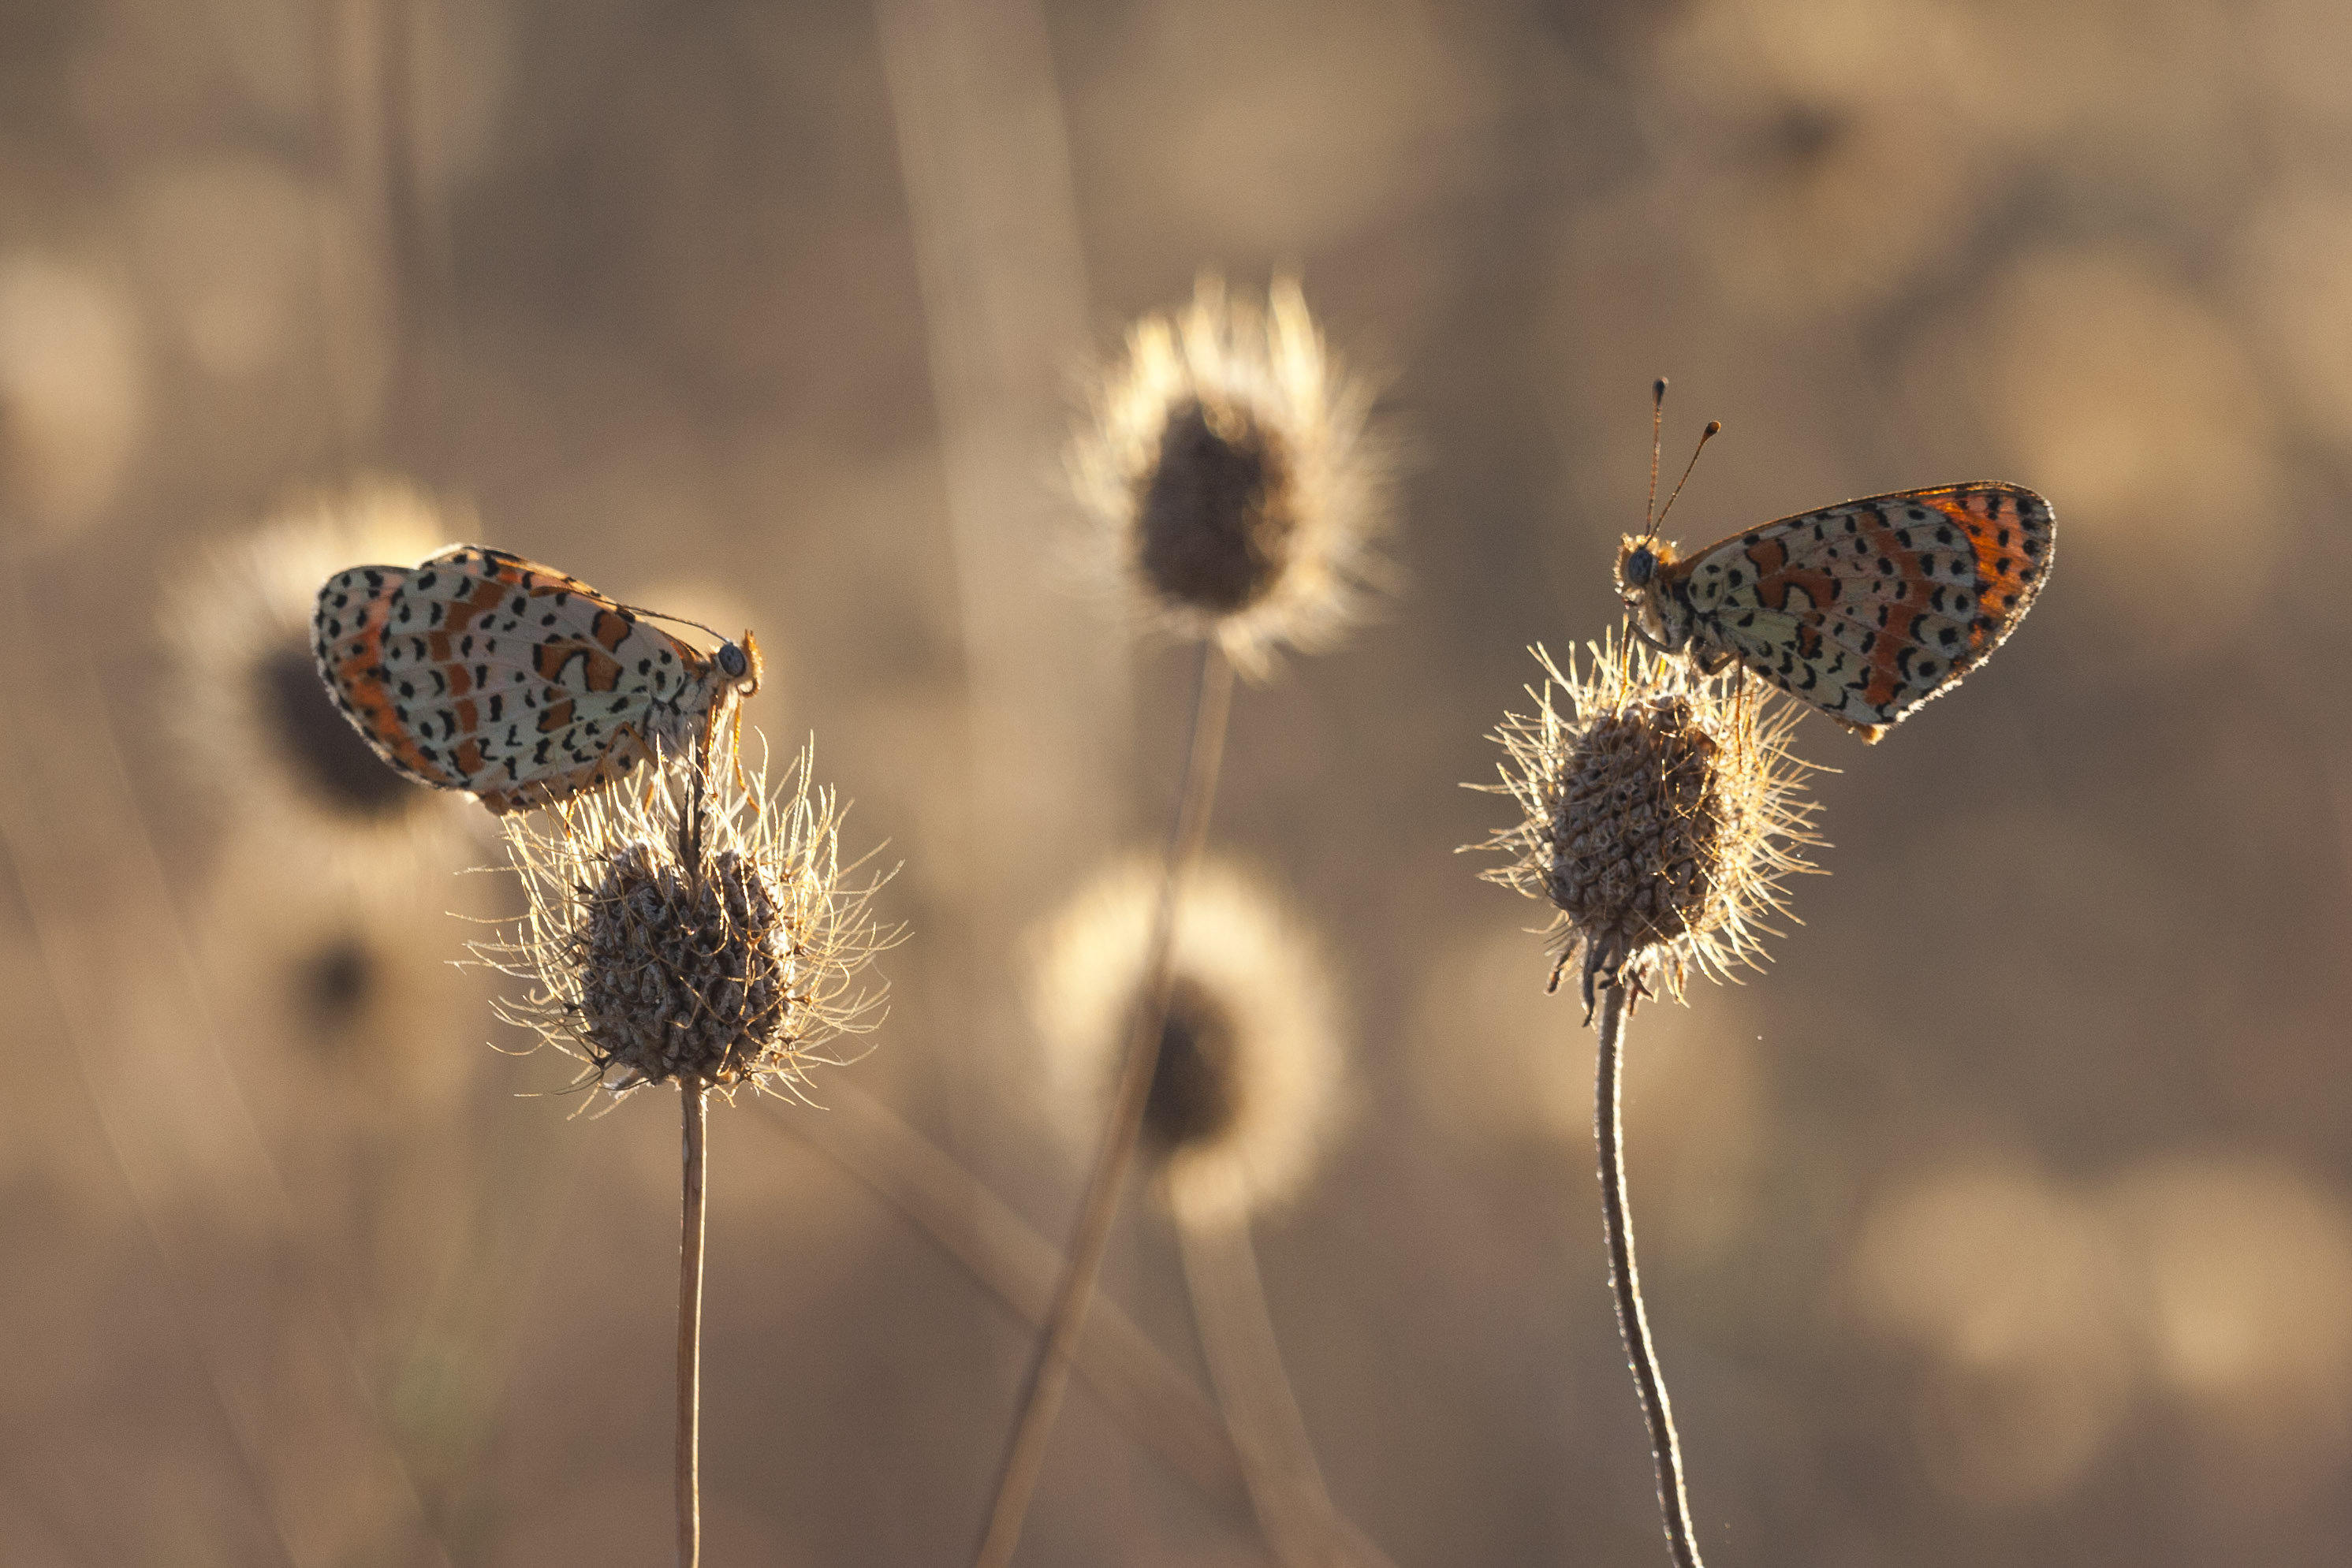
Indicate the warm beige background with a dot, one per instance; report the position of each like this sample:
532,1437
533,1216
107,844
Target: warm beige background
2005,1219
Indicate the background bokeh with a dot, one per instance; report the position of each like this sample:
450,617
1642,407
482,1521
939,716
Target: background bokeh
2007,1216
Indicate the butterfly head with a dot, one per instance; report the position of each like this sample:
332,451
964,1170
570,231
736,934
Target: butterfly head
1644,575
740,664
1639,563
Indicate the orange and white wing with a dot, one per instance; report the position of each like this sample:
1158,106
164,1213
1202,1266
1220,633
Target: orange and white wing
1868,608
478,670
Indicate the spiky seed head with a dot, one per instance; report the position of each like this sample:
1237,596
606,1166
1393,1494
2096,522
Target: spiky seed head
1234,490
683,975
1246,1091
1660,811
723,954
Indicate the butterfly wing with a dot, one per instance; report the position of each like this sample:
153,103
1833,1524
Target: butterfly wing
1868,608
478,670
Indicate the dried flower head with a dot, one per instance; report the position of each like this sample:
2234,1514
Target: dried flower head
716,944
1245,1092
1233,491
1660,807
250,704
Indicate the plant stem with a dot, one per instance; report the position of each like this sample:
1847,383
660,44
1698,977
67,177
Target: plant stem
694,1103
1049,1376
1229,1310
1609,1131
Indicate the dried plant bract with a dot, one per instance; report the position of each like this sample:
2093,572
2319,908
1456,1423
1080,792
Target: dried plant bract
1661,809
1234,492
716,945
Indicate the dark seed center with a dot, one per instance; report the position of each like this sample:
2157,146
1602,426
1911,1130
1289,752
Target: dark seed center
321,742
335,982
1194,1095
1216,512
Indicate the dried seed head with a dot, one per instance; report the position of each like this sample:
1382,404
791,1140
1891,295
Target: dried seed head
724,957
1216,518
1660,810
1232,488
683,975
1245,1091
250,706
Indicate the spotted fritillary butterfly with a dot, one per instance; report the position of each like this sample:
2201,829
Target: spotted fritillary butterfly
478,670
1865,609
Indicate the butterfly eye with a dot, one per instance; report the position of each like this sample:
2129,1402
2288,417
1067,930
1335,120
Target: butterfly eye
1639,566
732,663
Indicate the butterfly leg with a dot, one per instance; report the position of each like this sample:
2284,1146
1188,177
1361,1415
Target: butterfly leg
735,751
1634,622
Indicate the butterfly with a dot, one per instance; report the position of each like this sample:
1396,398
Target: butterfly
479,670
1864,610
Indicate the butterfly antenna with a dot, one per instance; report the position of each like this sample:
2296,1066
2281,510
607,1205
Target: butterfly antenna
1657,430
1714,428
642,613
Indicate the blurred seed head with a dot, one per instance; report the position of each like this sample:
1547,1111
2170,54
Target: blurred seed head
2120,388
1824,187
1661,809
1232,486
2292,285
251,707
2013,1292
344,997
230,245
2243,1267
1246,1089
2222,1282
72,392
650,956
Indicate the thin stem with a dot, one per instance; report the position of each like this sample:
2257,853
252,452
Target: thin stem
1609,1131
1140,1388
1229,1309
1049,1376
694,1103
